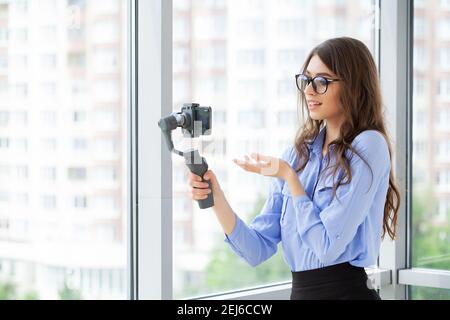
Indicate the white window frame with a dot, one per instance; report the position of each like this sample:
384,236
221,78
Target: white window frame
150,219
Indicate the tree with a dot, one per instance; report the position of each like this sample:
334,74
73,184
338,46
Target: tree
7,291
430,241
67,293
31,295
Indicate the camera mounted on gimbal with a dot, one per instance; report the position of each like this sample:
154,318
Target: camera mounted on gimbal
195,121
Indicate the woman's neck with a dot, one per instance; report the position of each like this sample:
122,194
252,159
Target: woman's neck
332,133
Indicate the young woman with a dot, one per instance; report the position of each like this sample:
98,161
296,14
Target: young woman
334,196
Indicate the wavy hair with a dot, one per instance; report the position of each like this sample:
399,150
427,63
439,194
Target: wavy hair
362,105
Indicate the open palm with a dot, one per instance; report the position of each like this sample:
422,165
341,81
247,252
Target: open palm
264,165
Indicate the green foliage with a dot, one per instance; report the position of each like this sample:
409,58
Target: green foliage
430,243
430,240
424,293
31,295
67,293
7,291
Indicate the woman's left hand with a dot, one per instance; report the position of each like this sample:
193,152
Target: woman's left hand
266,166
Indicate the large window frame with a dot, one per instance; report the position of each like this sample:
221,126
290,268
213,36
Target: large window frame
151,172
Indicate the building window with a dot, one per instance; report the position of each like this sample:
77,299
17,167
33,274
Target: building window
80,202
77,174
48,202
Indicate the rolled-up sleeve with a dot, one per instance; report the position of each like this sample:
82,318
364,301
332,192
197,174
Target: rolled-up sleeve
327,232
258,241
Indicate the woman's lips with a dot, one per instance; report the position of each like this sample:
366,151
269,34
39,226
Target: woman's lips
313,105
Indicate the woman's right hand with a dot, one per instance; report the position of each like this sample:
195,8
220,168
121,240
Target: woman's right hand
200,190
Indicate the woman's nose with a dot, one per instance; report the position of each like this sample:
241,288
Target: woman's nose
309,89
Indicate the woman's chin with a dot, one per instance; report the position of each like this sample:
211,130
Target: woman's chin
315,116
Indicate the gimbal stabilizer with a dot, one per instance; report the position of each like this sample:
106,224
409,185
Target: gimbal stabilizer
195,121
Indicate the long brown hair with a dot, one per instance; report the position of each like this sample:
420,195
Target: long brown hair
362,105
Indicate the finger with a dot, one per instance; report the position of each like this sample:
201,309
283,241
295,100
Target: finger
247,166
200,192
241,163
255,156
195,177
200,197
207,175
198,184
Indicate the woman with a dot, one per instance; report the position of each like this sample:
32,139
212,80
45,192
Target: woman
334,197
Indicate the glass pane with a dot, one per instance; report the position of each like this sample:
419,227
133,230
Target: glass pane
63,163
240,58
424,293
431,139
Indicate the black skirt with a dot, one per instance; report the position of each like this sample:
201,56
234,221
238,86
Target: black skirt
338,282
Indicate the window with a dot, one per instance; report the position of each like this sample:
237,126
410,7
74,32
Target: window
251,119
48,144
64,91
48,202
106,90
76,59
105,59
79,116
4,118
291,27
251,57
253,47
287,119
49,173
106,204
21,6
291,57
254,27
49,89
431,169
19,36
19,62
48,33
77,173
106,7
80,202
49,118
79,144
106,31
48,61
20,118
106,118
105,174
106,147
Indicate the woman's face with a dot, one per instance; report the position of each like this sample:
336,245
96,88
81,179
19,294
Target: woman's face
330,108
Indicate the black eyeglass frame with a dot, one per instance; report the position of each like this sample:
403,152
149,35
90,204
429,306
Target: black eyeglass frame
311,80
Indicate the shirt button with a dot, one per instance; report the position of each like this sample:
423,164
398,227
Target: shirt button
338,237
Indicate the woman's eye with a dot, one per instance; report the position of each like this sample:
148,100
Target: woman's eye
322,81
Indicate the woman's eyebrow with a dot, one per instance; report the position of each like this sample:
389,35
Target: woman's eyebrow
320,74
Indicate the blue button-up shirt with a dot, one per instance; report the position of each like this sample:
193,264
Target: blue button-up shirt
315,229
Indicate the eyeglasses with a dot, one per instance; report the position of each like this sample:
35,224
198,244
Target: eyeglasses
319,83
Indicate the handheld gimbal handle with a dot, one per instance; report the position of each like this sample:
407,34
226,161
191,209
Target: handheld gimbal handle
199,166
